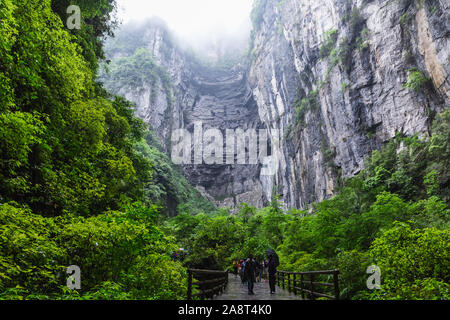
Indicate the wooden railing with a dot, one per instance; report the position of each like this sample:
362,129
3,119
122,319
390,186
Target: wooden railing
208,283
296,282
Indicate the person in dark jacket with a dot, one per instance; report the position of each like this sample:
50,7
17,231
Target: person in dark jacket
242,272
272,270
260,270
250,273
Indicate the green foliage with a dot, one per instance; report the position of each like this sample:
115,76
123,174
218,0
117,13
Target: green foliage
272,225
304,105
431,181
405,18
215,238
426,289
355,39
214,241
344,86
121,255
75,181
361,41
351,230
168,187
362,230
29,255
253,246
288,132
246,212
19,133
69,148
352,276
410,166
431,212
414,263
329,43
98,20
416,80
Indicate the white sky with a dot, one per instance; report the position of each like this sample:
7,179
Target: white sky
190,18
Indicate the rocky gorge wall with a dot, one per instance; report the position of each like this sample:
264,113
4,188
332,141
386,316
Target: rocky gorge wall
329,74
219,98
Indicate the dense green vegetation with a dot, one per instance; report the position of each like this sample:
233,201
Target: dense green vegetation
79,183
83,182
122,255
169,188
66,145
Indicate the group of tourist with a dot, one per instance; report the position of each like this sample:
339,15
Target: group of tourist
251,271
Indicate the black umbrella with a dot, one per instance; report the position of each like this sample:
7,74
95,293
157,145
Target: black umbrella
274,256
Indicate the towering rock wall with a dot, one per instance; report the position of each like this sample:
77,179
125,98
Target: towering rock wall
329,74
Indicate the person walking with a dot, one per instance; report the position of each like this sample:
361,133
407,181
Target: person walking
235,268
250,274
272,270
260,270
242,272
265,275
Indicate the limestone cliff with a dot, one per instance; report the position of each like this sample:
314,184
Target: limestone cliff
330,74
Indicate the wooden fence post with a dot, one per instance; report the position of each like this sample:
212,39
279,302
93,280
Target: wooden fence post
312,287
301,286
189,292
289,282
284,286
336,284
226,281
295,284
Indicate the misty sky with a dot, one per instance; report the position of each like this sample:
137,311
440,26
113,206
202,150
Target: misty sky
191,18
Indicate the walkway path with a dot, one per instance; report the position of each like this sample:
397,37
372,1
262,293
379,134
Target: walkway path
236,291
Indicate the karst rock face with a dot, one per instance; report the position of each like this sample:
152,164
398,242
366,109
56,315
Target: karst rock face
328,74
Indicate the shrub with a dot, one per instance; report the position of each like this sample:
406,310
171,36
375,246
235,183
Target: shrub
329,43
423,289
414,263
416,80
30,258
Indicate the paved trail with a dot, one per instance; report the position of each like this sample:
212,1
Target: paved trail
236,291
